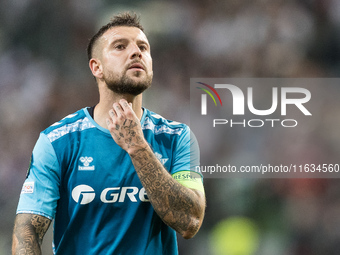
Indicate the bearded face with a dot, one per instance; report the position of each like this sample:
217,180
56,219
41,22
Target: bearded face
132,82
125,58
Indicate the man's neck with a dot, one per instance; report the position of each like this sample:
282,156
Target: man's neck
101,111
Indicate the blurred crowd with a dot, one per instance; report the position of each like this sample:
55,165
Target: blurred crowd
44,76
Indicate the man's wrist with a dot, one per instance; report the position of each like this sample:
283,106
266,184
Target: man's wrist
134,150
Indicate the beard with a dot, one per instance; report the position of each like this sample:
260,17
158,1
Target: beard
125,85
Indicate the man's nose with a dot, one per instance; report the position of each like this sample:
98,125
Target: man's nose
136,52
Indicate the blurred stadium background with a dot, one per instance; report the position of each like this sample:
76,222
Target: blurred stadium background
44,76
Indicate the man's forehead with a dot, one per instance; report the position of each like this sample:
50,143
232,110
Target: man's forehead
124,32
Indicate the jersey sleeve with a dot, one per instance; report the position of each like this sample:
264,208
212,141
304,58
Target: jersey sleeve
40,191
186,160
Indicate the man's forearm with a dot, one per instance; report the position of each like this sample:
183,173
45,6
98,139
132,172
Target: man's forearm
179,207
29,230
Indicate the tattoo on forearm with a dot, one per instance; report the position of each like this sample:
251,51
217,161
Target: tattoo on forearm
179,207
172,201
29,230
41,225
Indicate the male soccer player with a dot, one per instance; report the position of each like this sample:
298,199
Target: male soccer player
115,177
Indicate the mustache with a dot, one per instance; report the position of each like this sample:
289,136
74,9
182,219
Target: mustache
134,62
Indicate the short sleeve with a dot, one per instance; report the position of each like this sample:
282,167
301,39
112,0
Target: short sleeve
187,155
187,158
40,191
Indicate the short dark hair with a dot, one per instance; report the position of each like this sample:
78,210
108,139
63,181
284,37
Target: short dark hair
126,19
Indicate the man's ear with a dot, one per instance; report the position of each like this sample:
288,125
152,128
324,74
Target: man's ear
96,68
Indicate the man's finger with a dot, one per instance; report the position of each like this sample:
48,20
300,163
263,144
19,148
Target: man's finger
124,104
112,114
108,122
119,111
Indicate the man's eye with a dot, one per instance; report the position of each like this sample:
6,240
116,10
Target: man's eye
120,47
142,48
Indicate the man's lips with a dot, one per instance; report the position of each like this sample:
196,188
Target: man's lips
136,66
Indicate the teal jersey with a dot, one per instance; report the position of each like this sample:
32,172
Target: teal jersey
82,179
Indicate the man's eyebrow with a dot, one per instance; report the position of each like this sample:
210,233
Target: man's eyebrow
143,42
125,40
119,40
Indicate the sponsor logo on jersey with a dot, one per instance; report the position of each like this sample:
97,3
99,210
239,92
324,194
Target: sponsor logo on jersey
160,158
84,194
28,187
86,161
